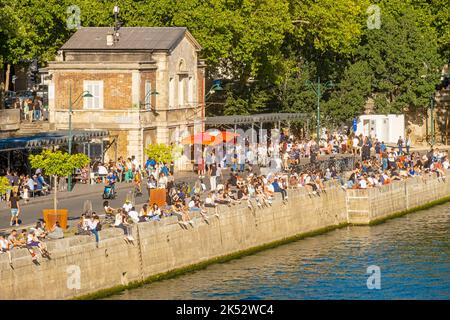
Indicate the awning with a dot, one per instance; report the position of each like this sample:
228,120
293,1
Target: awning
256,118
49,139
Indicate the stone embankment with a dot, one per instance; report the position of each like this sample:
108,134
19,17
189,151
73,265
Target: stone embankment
163,249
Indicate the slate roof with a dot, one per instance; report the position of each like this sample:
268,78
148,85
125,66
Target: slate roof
138,38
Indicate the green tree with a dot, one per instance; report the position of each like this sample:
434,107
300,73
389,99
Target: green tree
329,25
403,57
4,185
162,152
58,164
350,95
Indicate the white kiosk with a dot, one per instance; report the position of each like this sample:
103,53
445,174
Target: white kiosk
387,127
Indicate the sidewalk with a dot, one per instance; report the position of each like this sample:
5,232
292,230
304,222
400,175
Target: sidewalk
82,190
79,190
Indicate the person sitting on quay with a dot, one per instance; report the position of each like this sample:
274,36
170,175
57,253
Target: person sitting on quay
56,232
122,222
34,242
94,226
5,248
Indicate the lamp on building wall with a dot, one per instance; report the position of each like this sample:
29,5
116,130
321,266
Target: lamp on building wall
147,104
217,86
84,94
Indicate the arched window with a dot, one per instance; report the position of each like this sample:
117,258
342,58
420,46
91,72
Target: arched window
181,66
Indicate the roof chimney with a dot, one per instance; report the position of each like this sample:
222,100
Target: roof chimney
109,39
117,24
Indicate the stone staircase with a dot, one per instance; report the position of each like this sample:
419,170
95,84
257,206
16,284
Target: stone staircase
27,128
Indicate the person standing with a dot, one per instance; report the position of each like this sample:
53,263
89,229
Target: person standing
30,109
355,143
15,209
400,145
200,166
213,176
25,110
219,174
37,109
365,150
408,143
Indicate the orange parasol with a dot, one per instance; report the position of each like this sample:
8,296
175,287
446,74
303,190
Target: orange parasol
224,136
199,138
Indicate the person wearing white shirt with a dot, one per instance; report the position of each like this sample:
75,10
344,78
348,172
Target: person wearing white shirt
135,163
134,215
5,248
102,170
127,206
92,224
363,183
162,181
355,145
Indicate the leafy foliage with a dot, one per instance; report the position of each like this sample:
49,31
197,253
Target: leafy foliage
4,185
266,49
57,163
162,152
404,60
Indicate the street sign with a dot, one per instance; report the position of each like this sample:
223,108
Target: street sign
355,126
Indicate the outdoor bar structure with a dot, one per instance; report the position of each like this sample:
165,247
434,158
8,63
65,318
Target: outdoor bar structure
20,146
258,120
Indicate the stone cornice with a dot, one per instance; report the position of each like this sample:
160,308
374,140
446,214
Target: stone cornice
86,66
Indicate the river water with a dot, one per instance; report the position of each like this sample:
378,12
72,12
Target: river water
412,253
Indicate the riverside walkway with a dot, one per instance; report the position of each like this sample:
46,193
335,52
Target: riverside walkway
165,248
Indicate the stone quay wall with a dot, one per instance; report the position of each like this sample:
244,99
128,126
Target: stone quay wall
78,268
372,205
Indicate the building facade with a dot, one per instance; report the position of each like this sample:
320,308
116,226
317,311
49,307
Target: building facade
147,86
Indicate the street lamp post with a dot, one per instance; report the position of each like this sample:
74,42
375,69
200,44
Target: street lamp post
319,93
84,94
432,119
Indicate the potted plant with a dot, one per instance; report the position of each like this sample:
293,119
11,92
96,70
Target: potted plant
57,164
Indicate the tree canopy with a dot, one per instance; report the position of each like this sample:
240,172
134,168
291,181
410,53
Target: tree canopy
4,185
161,152
57,163
264,50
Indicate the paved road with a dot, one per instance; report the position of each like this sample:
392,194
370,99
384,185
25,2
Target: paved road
32,212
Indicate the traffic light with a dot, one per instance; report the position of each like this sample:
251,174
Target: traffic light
34,78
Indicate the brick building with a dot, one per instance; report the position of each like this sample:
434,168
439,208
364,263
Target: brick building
147,86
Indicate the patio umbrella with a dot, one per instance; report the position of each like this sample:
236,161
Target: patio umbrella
222,136
199,138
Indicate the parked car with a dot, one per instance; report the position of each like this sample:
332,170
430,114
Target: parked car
24,94
9,98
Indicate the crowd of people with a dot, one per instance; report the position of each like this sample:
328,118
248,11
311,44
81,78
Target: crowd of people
31,109
25,186
232,181
31,239
389,166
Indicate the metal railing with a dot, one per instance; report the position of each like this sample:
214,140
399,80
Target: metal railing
341,163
